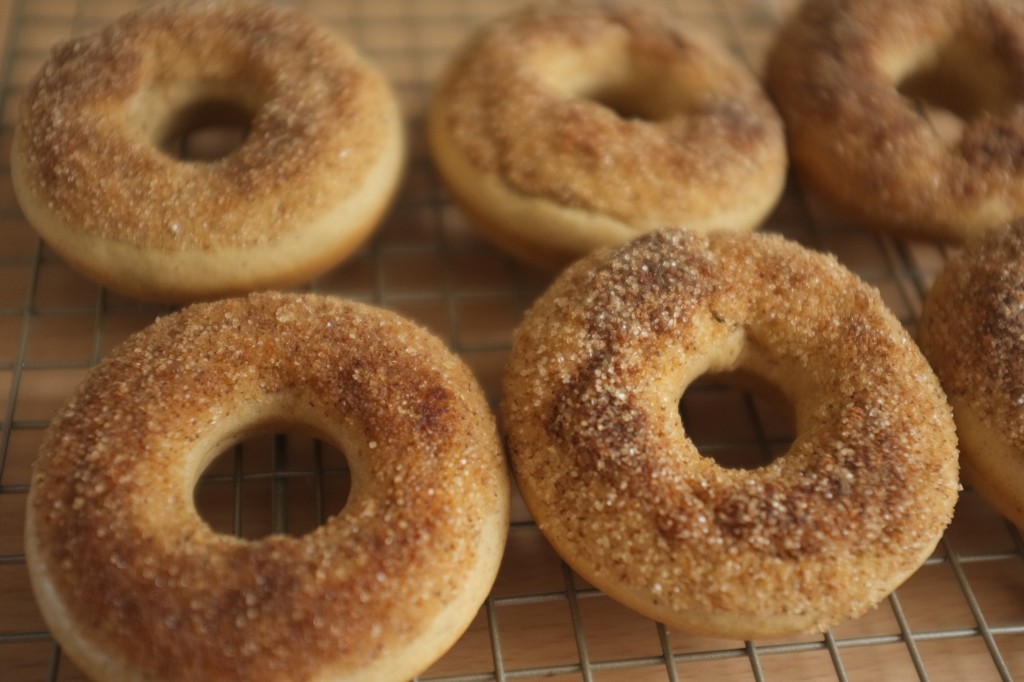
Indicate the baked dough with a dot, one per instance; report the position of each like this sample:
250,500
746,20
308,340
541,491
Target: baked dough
563,127
135,586
312,178
972,330
594,435
837,74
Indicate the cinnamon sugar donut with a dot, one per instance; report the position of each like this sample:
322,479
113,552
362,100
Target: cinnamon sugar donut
316,170
838,72
563,127
972,330
594,434
134,585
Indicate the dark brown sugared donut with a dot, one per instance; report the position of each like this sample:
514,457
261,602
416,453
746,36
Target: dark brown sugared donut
836,72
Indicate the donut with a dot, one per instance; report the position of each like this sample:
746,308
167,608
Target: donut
600,453
850,78
972,331
560,128
135,585
319,163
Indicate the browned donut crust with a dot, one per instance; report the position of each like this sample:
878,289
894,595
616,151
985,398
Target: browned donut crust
567,126
864,147
320,162
600,454
972,331
136,586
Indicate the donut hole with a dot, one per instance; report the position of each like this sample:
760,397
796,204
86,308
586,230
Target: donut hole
608,73
205,130
953,84
282,483
630,103
737,419
640,90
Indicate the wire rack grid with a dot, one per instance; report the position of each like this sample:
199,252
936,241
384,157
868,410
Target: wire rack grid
961,616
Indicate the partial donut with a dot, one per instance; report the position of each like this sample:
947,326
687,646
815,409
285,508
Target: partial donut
135,585
972,330
594,434
564,127
317,168
837,73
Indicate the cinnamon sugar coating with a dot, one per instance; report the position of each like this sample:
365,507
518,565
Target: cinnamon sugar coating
121,560
836,73
607,111
90,173
972,331
596,442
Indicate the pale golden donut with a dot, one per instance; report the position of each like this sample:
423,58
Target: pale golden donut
823,532
564,127
856,140
317,169
136,586
972,331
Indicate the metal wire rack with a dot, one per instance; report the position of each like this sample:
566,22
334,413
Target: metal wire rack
960,617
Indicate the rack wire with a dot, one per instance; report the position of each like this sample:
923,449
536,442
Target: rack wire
961,616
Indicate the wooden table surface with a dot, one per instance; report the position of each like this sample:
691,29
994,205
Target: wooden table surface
961,617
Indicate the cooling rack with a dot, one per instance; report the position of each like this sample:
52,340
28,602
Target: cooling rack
960,617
